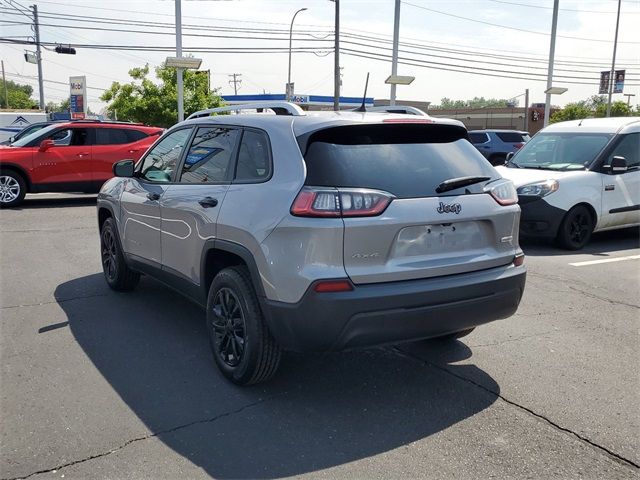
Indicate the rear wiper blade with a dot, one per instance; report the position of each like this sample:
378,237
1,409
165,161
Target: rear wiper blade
454,183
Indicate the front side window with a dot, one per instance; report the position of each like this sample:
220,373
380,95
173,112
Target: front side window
629,148
74,137
561,151
210,155
160,162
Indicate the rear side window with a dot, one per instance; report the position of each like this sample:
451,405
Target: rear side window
510,137
407,161
210,155
111,136
254,158
478,137
135,135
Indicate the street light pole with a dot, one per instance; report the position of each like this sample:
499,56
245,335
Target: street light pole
179,84
394,55
613,62
336,57
288,92
552,52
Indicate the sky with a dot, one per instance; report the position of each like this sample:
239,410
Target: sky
455,45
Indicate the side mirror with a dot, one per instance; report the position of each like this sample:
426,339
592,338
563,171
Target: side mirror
123,168
11,139
618,165
510,156
46,145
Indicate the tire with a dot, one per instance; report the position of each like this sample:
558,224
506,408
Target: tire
242,346
117,273
576,228
456,335
12,189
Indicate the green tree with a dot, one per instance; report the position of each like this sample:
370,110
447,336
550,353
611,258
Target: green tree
475,102
19,96
572,111
151,103
59,107
618,109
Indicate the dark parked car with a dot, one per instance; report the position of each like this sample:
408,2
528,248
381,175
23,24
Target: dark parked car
495,144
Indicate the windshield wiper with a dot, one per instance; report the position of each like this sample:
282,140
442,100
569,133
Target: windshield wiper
454,183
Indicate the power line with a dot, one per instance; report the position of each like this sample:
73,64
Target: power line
508,27
106,20
551,8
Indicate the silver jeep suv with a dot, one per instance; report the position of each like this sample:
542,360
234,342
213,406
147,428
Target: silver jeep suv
316,232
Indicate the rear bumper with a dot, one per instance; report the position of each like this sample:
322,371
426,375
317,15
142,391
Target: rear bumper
394,312
539,219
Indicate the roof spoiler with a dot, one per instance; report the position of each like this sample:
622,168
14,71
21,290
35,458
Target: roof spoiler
279,108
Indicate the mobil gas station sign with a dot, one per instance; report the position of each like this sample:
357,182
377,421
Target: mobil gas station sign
78,98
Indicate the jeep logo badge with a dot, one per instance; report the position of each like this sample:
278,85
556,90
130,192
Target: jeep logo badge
453,208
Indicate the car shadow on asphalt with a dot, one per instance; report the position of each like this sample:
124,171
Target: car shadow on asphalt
601,244
34,201
320,411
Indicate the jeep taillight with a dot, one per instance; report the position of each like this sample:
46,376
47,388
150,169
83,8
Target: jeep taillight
502,192
340,202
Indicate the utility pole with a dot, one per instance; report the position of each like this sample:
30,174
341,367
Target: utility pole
394,55
336,57
36,29
4,82
179,84
526,110
236,81
552,52
612,80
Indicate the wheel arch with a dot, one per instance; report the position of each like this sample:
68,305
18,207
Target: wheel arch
20,171
219,254
589,207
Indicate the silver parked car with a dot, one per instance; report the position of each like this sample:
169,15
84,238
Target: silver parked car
316,232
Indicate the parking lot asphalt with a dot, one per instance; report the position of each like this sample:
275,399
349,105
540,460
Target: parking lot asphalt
97,384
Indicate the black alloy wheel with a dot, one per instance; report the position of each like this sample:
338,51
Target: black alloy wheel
229,327
116,271
109,255
576,228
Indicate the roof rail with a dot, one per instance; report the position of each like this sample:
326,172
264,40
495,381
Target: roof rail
279,107
397,109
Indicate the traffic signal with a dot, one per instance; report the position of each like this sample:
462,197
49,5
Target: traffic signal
65,50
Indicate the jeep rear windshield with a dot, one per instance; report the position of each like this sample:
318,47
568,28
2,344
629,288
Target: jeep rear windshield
406,160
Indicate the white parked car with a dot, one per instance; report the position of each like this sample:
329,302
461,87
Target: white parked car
578,177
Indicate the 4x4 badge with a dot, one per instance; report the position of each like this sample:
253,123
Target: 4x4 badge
452,208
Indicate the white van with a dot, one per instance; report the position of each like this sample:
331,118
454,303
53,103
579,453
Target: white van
12,121
578,177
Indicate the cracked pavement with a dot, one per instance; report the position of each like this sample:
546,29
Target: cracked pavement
96,384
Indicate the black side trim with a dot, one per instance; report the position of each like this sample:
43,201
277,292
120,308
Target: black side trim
238,250
90,186
168,277
625,209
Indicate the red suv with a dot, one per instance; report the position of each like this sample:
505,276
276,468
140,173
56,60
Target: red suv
69,157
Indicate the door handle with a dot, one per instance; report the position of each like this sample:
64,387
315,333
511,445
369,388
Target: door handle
134,150
83,154
153,196
207,202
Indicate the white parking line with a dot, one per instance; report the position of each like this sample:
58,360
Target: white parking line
606,260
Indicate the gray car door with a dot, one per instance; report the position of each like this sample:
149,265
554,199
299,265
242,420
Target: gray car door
190,207
140,200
